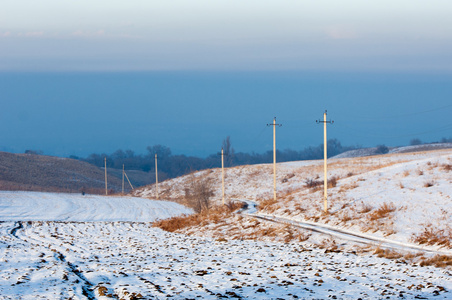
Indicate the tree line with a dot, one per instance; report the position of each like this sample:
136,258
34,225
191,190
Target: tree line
170,165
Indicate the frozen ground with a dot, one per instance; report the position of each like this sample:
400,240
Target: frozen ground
59,246
90,260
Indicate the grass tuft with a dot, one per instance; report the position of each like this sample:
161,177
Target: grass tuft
382,212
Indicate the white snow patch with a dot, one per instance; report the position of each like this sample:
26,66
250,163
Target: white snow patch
35,206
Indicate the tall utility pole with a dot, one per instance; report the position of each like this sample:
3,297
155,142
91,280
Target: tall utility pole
106,188
222,171
274,155
325,179
156,179
123,178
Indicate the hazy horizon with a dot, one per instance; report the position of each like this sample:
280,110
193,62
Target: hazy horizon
192,112
79,77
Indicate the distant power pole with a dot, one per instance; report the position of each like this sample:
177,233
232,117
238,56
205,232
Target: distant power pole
123,178
222,171
274,155
325,179
106,187
156,179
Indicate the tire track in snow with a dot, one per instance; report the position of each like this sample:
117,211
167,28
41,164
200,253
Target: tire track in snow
87,287
18,225
251,211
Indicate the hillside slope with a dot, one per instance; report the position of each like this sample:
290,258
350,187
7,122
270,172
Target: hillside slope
28,172
405,196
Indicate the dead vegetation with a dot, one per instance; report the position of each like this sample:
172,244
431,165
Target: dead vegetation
387,253
447,167
316,184
202,218
198,192
439,261
382,211
434,236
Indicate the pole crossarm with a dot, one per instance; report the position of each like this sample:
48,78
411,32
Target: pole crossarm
324,121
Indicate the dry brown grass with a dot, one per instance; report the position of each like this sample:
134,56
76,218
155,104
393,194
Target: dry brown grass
332,182
329,244
387,253
439,261
213,215
365,208
429,184
447,167
287,177
382,212
434,236
269,205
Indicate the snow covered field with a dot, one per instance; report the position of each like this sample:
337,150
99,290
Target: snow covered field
85,260
66,246
34,206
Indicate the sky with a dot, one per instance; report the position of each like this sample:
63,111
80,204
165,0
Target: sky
79,77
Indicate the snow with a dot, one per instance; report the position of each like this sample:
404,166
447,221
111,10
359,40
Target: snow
62,260
35,206
62,246
418,185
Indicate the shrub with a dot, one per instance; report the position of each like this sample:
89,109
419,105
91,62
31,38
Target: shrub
312,183
434,236
199,192
332,182
381,149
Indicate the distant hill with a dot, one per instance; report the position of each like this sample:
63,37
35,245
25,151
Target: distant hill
29,172
406,149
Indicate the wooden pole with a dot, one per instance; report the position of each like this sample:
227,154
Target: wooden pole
222,171
325,158
127,177
156,179
123,178
106,187
325,179
274,159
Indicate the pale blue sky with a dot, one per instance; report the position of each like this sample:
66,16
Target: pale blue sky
383,69
225,35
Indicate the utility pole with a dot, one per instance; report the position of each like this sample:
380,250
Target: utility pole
106,188
274,155
325,179
222,171
123,179
156,179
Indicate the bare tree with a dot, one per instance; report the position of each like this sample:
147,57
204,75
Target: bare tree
228,151
199,192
